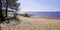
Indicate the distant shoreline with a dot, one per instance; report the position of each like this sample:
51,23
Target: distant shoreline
45,14
44,17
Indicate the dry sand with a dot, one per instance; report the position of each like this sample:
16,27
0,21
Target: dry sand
33,24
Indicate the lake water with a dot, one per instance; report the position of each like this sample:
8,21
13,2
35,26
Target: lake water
45,14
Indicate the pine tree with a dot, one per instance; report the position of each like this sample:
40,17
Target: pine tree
12,4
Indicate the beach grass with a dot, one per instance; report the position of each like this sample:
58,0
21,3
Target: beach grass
33,23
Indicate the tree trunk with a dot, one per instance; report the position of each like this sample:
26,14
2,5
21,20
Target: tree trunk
1,13
6,7
15,14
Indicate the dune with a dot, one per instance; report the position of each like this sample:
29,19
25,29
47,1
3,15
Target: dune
33,23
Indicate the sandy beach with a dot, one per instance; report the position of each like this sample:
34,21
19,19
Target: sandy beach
33,23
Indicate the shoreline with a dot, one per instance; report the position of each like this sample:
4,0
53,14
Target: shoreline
44,17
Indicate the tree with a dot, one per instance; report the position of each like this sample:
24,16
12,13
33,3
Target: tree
12,4
1,13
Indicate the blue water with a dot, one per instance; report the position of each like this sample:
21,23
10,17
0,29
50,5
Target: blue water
45,14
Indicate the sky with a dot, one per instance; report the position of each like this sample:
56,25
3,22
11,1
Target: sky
39,5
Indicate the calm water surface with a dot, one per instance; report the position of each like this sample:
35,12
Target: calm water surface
45,14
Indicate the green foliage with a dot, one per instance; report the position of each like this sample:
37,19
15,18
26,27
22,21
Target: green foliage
13,4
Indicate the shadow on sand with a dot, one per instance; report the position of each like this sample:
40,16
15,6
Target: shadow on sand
13,21
9,20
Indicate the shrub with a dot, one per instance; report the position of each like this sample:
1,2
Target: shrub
25,15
